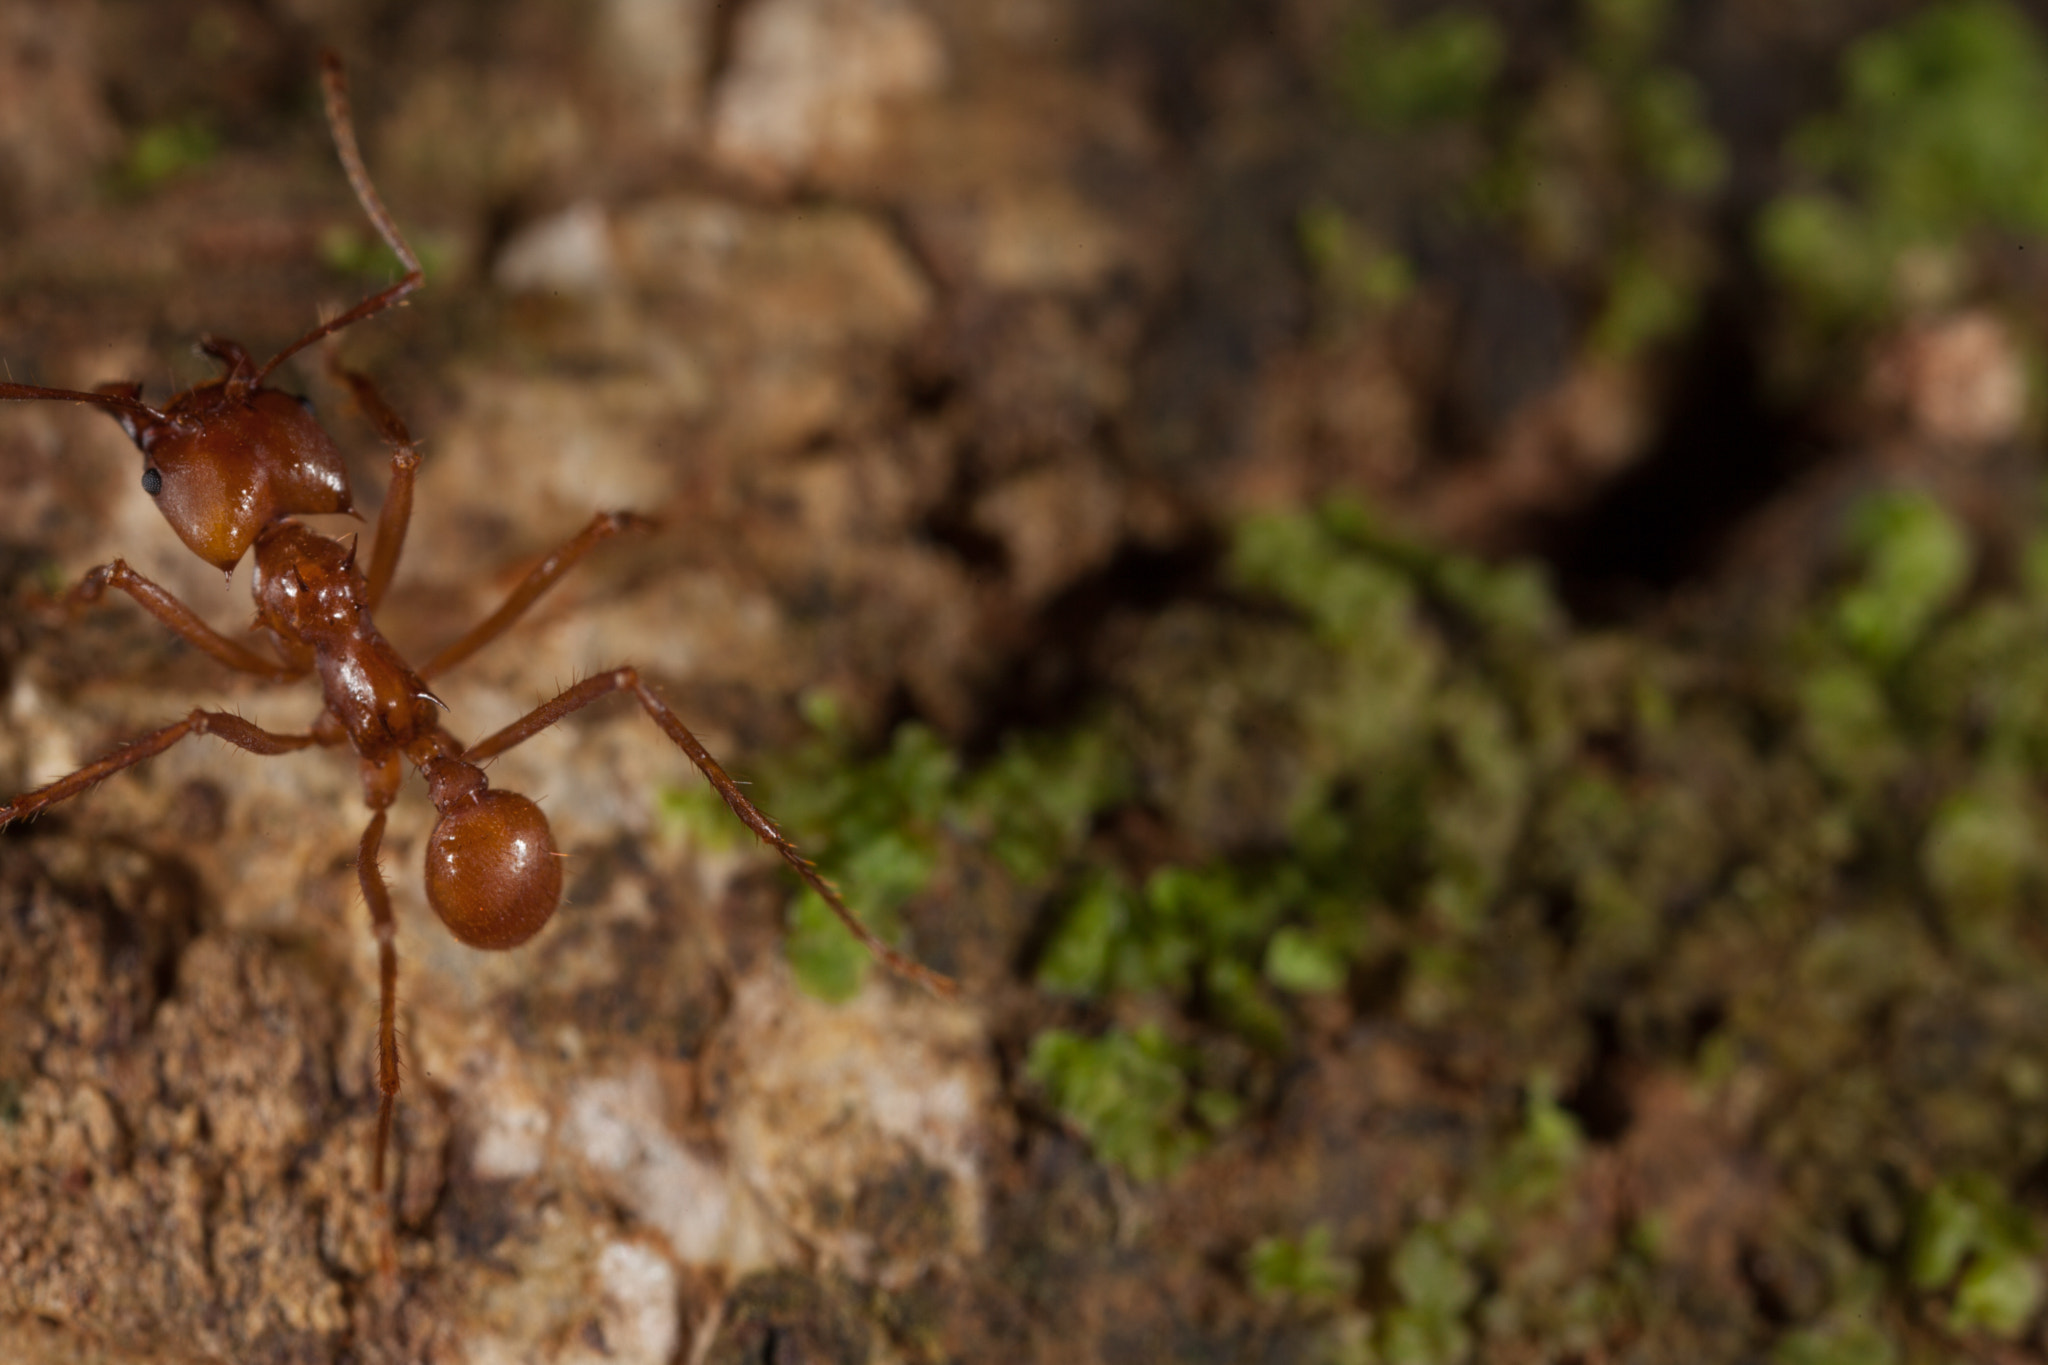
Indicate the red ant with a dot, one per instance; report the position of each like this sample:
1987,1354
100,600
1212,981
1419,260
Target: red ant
231,463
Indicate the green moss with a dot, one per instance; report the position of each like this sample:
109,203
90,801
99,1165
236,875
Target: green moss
1437,767
1167,940
1968,1239
1237,995
1981,849
1889,653
1478,807
1305,962
1037,800
882,829
1603,171
1999,1294
1188,932
696,814
1126,1092
828,962
1359,273
1943,122
1312,564
1915,562
1535,824
1849,726
2034,568
1436,1286
1943,133
874,827
1303,1272
1346,1339
1850,1341
1512,827
1987,675
347,249
1081,954
1511,603
1540,1160
1947,1230
1217,935
1438,69
1591,163
1672,142
1826,251
164,150
1646,303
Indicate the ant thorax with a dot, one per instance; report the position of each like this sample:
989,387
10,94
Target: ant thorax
312,599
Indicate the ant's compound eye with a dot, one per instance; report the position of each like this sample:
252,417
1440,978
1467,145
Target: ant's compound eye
152,481
305,402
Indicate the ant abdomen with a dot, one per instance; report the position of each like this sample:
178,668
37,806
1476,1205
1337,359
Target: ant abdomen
493,875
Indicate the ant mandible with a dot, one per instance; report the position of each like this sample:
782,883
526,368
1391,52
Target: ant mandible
230,463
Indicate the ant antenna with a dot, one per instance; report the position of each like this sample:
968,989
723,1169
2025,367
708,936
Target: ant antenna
334,85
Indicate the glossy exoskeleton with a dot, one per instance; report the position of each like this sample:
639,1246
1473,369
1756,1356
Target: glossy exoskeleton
231,463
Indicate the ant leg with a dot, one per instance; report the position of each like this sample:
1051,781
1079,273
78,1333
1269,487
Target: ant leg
175,614
405,463
334,85
219,724
602,527
386,927
628,680
231,355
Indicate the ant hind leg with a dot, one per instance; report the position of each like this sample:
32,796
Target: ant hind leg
386,928
628,680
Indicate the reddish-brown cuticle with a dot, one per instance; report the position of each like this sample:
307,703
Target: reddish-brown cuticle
492,872
231,464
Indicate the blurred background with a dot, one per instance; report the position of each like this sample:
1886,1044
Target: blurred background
1440,609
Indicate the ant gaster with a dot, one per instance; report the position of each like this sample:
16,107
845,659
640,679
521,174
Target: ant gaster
231,463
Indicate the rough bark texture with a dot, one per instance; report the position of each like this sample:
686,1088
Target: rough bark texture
952,343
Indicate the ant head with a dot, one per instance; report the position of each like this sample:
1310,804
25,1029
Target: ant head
224,461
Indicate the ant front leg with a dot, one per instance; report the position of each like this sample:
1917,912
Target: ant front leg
628,680
544,575
159,603
219,724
